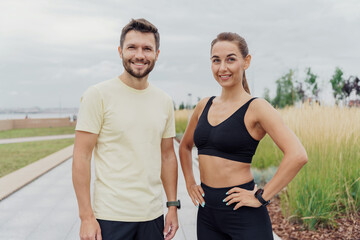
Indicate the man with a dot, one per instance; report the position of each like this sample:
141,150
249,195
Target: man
130,125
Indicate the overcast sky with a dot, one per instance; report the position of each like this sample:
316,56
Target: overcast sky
52,51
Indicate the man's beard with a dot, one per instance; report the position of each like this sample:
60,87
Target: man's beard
127,67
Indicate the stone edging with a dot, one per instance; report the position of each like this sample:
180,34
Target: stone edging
12,182
35,139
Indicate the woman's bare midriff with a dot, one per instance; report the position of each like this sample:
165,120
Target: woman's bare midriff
219,172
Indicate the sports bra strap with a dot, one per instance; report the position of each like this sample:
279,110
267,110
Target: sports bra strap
252,99
208,104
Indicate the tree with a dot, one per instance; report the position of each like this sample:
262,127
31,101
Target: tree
311,84
300,91
181,106
357,86
337,83
285,91
267,95
350,85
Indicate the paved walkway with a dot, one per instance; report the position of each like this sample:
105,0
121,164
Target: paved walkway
47,209
34,139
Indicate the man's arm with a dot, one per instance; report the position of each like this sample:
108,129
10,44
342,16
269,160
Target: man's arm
169,176
81,175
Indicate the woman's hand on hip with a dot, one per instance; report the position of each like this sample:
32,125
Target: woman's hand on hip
242,197
196,194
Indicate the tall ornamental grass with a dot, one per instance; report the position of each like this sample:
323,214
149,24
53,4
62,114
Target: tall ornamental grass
329,185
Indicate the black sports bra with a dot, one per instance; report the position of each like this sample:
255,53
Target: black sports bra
229,139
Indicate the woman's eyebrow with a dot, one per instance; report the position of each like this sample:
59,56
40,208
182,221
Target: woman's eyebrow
229,55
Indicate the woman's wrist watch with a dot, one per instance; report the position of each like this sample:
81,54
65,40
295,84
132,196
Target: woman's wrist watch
174,203
258,195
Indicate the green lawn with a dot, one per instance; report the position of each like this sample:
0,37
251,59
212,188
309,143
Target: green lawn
17,155
267,154
180,125
32,132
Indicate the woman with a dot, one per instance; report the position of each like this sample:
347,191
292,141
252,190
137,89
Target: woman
226,130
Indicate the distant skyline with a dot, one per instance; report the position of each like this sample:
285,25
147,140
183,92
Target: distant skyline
52,51
38,109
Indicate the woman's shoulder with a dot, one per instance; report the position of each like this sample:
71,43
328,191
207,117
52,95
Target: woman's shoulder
260,105
261,108
201,105
259,102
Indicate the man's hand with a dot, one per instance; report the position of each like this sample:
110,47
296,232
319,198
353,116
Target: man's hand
171,223
90,229
81,173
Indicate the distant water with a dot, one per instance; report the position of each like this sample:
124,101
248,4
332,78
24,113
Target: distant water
4,116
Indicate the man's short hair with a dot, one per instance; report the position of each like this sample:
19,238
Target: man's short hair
140,25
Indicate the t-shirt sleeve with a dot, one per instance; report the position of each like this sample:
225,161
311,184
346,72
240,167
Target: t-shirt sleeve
169,130
90,117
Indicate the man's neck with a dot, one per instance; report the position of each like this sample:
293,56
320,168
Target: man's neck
133,82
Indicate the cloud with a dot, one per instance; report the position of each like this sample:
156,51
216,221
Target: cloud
102,68
59,48
177,38
13,93
43,23
348,9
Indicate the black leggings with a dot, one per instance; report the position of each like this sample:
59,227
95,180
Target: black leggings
216,221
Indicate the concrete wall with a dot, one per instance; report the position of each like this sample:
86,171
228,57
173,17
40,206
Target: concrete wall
35,123
6,125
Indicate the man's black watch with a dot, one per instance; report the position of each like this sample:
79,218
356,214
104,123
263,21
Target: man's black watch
258,195
174,203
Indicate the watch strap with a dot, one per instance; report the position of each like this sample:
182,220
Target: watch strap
258,195
174,203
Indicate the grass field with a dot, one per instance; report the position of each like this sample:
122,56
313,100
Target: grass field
181,119
17,155
329,185
32,132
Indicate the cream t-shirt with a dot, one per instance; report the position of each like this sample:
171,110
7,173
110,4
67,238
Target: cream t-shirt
131,124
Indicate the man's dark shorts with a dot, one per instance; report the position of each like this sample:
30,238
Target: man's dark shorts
149,230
